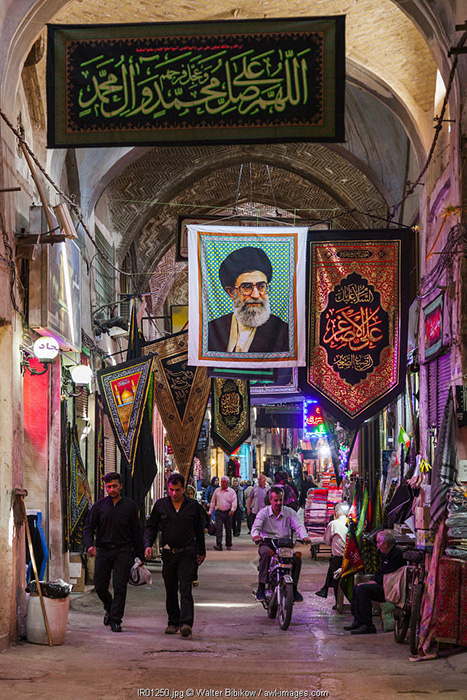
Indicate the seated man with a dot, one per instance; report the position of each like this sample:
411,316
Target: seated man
272,522
335,536
364,593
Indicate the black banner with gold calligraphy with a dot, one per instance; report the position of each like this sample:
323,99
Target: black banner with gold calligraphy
200,82
357,321
181,393
231,413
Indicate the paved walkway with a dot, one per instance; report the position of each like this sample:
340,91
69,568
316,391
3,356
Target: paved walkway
234,648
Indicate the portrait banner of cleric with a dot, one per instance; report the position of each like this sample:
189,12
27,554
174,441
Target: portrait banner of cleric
251,289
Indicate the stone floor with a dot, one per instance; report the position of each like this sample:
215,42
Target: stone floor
234,648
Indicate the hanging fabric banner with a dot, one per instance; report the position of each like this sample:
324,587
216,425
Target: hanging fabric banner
80,498
181,394
246,296
231,413
124,390
357,321
220,81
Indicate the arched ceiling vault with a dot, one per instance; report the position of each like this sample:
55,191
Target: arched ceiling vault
389,102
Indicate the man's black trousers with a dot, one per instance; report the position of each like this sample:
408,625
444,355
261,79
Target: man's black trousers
335,563
237,522
223,518
362,596
115,562
177,572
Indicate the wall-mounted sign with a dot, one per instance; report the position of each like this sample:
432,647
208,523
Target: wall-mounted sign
55,293
461,405
198,82
313,422
433,321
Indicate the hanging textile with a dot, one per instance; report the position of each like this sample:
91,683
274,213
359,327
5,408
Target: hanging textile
138,474
353,562
181,394
79,494
230,413
357,321
246,296
444,474
124,390
100,449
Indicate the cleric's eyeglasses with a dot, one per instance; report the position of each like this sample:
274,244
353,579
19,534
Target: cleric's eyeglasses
246,288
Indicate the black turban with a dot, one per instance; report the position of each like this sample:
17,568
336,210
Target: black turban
245,259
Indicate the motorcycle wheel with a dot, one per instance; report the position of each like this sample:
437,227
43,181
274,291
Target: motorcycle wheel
286,605
272,607
401,625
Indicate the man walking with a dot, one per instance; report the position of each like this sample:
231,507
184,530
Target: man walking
114,522
256,500
182,535
224,503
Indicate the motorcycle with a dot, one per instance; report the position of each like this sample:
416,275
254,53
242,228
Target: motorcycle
279,586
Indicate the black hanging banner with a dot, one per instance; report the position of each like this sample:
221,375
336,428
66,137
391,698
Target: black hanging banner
264,80
231,413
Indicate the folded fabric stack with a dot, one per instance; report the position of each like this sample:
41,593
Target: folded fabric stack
316,512
334,497
456,523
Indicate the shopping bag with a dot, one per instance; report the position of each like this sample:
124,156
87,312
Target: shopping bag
139,574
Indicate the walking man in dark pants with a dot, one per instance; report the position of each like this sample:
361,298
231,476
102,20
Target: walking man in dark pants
224,502
114,522
182,535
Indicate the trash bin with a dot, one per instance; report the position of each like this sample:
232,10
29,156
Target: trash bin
57,617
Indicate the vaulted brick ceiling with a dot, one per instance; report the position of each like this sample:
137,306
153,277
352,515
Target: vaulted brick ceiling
314,181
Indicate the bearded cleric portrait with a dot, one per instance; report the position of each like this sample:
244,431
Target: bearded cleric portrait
245,276
246,287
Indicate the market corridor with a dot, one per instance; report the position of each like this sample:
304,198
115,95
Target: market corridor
234,646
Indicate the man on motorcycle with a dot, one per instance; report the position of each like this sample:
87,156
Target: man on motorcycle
272,522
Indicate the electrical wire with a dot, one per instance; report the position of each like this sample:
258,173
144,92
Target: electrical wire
438,129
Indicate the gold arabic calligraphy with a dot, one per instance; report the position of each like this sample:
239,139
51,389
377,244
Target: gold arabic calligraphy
353,328
230,404
191,82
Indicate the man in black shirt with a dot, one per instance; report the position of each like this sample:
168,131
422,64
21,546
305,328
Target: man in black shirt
182,529
364,593
114,521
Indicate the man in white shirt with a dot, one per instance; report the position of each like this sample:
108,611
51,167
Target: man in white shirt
335,536
256,500
272,522
224,502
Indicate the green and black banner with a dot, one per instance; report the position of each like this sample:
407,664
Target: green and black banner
267,80
230,413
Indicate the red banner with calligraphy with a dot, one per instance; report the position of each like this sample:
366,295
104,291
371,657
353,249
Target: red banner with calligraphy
357,321
231,413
